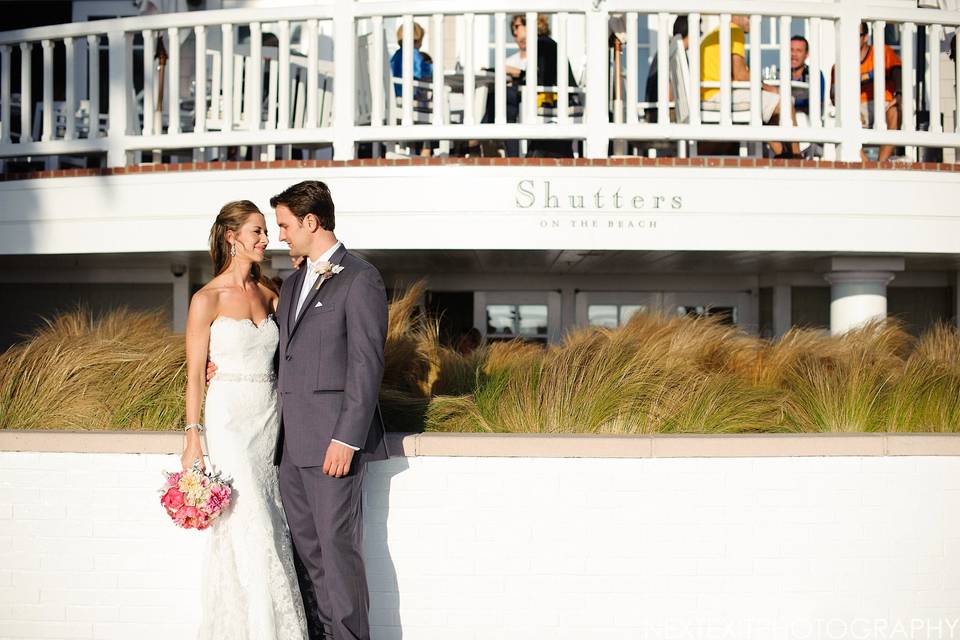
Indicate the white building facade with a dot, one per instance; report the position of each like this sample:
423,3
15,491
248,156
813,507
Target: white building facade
113,175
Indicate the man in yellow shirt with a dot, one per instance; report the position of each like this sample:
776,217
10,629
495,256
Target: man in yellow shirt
710,73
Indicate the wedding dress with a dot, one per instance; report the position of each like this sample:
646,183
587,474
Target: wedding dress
250,586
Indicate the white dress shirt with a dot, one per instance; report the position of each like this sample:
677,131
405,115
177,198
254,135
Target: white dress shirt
309,280
310,277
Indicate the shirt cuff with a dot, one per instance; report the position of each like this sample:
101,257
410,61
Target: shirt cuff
349,446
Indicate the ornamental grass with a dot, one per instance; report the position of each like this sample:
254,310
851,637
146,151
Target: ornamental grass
656,374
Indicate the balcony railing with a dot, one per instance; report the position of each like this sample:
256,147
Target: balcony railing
303,81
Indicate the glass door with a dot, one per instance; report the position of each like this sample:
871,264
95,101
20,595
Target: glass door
732,307
612,309
533,316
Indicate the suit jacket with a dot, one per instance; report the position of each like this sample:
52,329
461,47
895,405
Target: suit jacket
331,363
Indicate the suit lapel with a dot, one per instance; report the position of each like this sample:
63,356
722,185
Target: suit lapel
336,258
291,302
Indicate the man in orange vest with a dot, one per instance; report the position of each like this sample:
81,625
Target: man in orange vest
891,93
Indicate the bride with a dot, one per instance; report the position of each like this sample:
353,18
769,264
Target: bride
250,586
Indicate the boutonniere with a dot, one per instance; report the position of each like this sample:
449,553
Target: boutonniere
325,271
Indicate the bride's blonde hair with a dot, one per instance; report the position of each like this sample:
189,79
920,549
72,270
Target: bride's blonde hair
231,217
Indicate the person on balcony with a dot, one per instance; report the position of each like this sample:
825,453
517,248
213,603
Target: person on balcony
422,72
740,72
892,68
800,72
516,69
514,66
422,63
680,28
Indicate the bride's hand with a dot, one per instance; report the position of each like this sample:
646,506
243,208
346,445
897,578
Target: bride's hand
192,451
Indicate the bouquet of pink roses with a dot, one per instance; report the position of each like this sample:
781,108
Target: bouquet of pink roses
194,499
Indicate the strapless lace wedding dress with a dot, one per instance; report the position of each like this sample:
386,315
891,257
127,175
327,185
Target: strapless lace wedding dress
250,585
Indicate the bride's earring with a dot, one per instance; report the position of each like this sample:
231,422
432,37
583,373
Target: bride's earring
233,250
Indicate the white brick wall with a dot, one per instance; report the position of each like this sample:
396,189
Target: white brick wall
471,548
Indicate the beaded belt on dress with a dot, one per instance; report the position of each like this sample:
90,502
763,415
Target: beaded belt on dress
245,377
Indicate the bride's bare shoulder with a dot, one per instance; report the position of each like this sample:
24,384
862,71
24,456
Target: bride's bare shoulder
205,302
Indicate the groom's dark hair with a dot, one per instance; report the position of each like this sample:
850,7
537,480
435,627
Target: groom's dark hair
309,196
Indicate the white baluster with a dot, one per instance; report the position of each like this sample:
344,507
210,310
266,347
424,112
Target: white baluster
663,70
119,50
500,68
254,79
935,34
725,70
200,81
47,131
563,71
406,73
283,101
693,42
376,72
312,71
239,67
469,82
149,90
907,43
633,91
756,84
173,72
4,94
813,59
26,88
226,97
439,99
879,77
530,88
93,84
786,74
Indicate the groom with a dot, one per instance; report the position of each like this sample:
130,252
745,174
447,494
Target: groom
333,323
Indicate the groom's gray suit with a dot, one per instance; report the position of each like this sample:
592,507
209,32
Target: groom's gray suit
331,366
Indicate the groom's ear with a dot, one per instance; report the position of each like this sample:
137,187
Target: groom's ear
311,222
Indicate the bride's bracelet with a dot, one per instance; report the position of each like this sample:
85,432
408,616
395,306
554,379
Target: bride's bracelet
193,425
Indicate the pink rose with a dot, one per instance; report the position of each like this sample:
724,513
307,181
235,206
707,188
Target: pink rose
219,498
187,517
172,499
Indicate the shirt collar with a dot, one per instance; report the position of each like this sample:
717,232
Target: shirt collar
324,257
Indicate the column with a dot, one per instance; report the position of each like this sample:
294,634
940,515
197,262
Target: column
782,309
857,297
181,296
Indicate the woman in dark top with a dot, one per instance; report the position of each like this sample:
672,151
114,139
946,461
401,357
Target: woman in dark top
546,77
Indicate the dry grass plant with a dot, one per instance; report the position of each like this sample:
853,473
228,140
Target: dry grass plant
124,370
657,374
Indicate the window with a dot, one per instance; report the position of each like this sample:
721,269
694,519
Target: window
728,315
508,321
612,316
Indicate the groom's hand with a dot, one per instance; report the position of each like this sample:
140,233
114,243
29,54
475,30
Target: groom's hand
337,462
211,370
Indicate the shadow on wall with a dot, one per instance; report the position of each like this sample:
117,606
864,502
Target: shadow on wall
381,573
385,623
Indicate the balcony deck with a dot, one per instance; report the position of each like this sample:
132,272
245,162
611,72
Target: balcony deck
315,82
